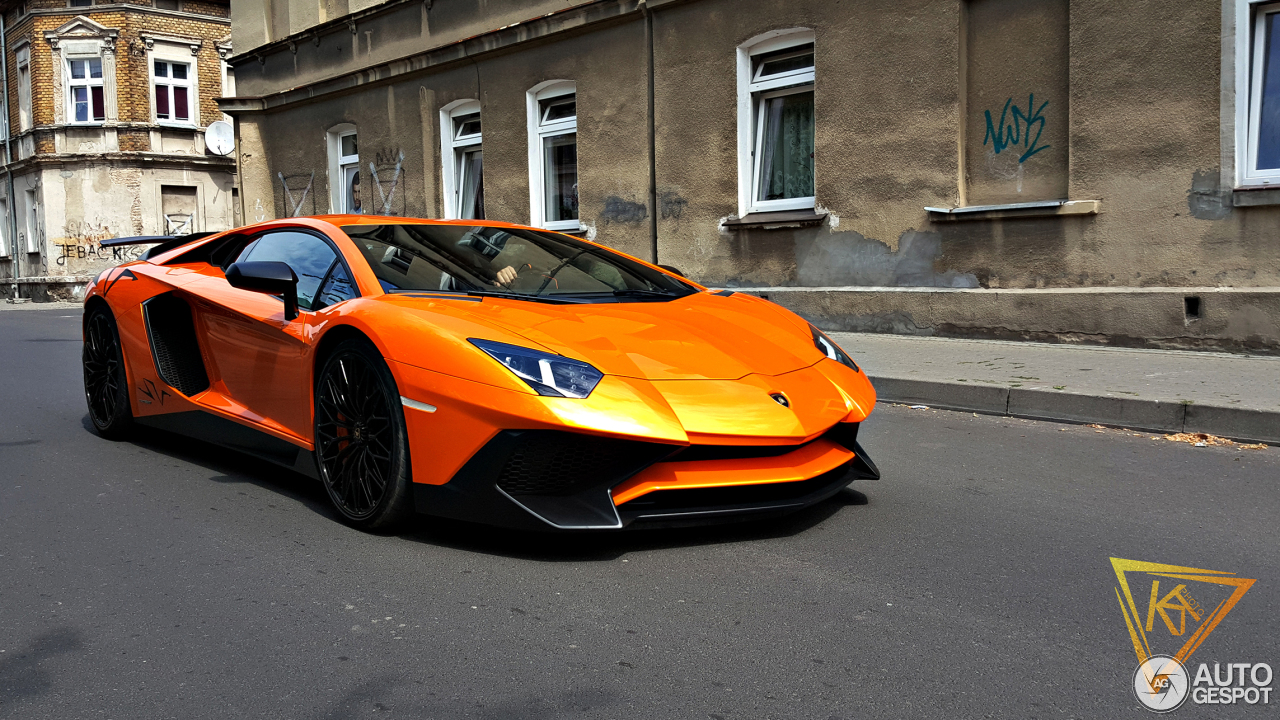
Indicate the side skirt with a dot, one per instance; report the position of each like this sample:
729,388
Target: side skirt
234,436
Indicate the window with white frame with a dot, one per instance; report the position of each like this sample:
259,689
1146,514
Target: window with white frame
173,92
85,100
344,171
1261,115
463,161
4,227
33,222
553,156
776,123
24,89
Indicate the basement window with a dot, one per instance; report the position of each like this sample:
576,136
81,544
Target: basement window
178,205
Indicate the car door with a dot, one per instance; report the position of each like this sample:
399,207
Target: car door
261,359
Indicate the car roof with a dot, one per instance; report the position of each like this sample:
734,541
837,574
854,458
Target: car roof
340,220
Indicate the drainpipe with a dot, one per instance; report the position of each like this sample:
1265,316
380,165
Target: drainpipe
12,219
653,143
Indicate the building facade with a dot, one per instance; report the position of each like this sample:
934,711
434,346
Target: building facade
107,105
1061,170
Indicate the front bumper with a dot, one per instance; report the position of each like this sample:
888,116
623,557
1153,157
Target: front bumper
556,480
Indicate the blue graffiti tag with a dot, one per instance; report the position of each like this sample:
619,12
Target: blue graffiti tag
1018,129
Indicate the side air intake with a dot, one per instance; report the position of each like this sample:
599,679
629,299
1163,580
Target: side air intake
173,344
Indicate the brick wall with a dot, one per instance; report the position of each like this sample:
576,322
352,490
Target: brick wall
132,72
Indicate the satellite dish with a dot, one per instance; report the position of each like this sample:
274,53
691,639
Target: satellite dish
220,138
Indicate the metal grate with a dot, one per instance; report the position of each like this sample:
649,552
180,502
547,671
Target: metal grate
174,345
553,463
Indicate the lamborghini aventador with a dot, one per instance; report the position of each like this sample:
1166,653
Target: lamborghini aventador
476,370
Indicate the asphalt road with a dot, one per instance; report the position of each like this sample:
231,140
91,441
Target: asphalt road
164,578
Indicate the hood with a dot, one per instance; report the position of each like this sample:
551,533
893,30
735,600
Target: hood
703,336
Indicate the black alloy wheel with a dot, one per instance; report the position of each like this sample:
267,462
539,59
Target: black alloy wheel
362,448
106,386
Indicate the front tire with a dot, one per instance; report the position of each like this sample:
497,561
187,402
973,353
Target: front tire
106,385
362,447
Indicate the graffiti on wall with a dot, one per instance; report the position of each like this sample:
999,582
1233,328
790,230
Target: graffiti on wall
82,240
1018,128
295,192
386,171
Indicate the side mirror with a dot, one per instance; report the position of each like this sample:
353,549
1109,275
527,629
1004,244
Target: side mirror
272,278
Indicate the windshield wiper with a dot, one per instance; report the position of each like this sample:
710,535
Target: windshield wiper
630,292
486,293
517,296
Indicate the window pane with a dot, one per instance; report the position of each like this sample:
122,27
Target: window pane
560,108
77,69
1269,117
336,289
349,146
179,71
95,68
786,150
80,103
162,69
785,61
309,256
168,4
560,163
180,111
351,202
81,3
162,102
471,185
467,125
99,107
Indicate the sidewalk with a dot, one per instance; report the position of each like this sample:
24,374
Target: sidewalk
1232,396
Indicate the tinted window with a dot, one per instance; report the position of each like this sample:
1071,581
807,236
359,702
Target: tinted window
312,260
515,261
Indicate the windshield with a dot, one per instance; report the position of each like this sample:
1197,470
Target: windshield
507,261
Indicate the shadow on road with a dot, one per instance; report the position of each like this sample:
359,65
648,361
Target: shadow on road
234,467
24,673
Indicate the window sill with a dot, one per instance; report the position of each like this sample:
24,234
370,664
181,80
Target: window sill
1255,195
1048,208
776,220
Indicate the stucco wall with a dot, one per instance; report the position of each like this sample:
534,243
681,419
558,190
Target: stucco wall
902,93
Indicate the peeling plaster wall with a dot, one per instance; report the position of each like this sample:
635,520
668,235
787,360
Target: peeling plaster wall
83,204
902,92
403,117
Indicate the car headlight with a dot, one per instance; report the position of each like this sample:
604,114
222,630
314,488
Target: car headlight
553,375
832,350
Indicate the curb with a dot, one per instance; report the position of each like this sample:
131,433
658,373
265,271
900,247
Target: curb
1238,424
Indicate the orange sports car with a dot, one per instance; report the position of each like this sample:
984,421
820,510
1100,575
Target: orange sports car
475,370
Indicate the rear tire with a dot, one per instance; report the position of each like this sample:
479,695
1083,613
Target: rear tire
361,444
106,385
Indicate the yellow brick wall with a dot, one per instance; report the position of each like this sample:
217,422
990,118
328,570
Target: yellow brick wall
133,100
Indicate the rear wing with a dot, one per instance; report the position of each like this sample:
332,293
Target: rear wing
164,243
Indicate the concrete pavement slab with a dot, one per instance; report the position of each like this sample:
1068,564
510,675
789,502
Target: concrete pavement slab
1235,396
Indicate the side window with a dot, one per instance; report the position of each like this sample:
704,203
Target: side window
322,280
